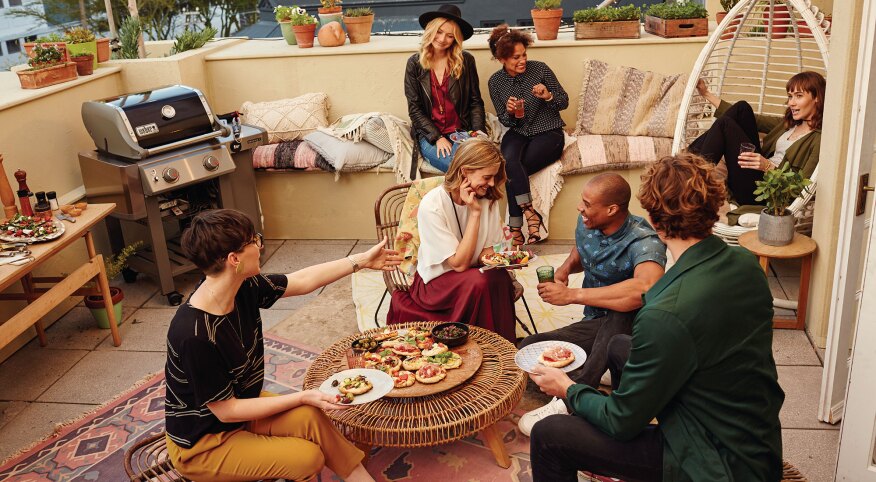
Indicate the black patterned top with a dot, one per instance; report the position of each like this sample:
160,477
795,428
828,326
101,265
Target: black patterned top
539,115
212,358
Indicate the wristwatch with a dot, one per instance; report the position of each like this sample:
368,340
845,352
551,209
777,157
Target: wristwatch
352,261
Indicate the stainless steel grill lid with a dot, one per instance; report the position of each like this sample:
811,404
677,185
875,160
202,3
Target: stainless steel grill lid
135,126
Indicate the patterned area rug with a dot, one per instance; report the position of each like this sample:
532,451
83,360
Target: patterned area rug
93,448
368,288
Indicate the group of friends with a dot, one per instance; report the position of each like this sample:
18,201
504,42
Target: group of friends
689,347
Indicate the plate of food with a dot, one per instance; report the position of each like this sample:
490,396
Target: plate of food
553,353
508,259
30,229
357,386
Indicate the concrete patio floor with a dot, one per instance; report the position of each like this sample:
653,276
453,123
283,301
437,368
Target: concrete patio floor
80,369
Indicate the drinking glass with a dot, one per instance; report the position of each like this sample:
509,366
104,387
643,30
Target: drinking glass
519,111
545,274
746,147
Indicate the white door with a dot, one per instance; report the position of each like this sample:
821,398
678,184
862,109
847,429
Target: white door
855,229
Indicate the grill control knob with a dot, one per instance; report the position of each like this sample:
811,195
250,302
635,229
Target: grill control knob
211,163
170,175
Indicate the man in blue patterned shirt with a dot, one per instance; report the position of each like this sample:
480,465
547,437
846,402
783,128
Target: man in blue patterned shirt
622,257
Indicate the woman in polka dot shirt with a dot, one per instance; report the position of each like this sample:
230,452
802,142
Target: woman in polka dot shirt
528,99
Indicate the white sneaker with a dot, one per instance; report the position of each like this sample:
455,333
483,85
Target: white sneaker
554,407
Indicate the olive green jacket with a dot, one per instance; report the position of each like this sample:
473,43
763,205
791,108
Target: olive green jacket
802,156
701,363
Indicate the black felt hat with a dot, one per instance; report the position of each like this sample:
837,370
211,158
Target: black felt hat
450,12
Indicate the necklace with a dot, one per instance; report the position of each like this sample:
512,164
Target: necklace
239,330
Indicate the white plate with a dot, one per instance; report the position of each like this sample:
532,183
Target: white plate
382,384
59,230
527,357
532,257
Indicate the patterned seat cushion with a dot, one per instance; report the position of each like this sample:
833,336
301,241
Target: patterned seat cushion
593,153
288,119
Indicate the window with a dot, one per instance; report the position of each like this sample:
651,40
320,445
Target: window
491,23
14,3
13,46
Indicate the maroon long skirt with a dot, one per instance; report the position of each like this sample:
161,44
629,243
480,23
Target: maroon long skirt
481,299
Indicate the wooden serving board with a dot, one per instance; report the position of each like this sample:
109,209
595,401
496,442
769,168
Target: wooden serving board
472,356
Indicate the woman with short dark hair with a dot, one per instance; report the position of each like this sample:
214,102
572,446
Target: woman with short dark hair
528,99
220,425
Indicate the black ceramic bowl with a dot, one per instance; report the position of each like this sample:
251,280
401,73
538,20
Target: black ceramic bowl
447,340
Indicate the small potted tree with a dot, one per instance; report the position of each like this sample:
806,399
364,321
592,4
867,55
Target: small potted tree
51,39
330,12
778,189
47,67
81,41
304,26
683,19
359,22
84,63
114,265
546,17
284,18
727,5
608,22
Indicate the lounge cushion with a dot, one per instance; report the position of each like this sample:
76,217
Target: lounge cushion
590,153
344,155
288,119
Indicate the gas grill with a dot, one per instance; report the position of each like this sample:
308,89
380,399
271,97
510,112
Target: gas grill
162,156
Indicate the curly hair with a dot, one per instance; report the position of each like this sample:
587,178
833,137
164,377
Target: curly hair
682,194
454,59
213,234
474,154
811,82
503,39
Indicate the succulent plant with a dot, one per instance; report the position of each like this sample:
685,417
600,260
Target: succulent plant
78,35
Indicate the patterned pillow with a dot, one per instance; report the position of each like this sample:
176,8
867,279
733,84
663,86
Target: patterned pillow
407,241
288,119
598,153
344,155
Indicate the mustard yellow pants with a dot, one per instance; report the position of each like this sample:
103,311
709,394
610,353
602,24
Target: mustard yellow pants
293,445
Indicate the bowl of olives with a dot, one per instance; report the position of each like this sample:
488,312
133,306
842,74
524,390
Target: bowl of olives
451,334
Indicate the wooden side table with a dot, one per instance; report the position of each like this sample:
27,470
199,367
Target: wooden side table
801,247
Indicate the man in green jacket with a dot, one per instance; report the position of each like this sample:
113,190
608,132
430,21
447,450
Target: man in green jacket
699,361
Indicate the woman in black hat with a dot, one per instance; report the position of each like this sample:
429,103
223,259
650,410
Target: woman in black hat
442,87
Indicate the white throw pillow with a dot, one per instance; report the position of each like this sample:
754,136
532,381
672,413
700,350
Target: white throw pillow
288,119
344,155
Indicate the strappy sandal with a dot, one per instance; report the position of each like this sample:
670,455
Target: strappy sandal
517,238
534,221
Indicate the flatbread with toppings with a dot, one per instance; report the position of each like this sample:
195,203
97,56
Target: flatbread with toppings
435,349
356,386
385,335
506,258
406,349
449,360
414,363
431,373
403,379
556,356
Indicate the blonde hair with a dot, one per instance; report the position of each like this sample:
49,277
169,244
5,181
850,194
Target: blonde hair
474,154
427,52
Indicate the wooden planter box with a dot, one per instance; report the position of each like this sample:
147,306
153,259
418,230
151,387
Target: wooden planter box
681,27
619,29
35,79
62,46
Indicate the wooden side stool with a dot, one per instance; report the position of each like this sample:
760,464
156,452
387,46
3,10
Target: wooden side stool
801,247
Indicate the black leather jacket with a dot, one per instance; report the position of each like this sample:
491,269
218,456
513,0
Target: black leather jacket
465,93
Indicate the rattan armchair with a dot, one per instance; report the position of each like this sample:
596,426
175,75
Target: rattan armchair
758,46
387,214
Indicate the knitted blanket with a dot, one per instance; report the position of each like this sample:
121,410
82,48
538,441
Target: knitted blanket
396,134
288,155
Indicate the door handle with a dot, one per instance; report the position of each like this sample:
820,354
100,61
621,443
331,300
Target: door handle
863,189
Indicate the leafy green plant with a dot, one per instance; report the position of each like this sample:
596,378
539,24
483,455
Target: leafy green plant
129,39
302,18
687,9
359,12
44,57
779,188
82,55
190,40
117,262
52,37
330,3
78,35
547,4
284,14
728,4
607,14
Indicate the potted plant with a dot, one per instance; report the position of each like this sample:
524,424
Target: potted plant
359,22
81,40
114,265
304,26
103,49
546,17
284,18
778,189
330,12
608,22
727,5
47,67
683,19
84,63
50,39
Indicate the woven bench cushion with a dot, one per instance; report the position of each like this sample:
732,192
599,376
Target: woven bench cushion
593,153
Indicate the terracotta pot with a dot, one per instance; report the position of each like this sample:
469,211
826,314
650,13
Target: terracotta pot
288,33
335,9
359,28
84,64
96,301
547,23
84,48
98,309
331,35
35,79
304,35
730,30
781,22
103,49
62,46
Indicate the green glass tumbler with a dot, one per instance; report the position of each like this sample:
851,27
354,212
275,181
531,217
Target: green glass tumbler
545,274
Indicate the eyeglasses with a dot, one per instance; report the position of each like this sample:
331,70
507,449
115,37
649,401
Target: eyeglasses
258,240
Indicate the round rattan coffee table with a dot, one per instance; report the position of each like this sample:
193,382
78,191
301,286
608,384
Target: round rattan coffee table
475,406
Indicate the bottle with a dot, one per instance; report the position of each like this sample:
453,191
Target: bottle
24,200
53,200
42,208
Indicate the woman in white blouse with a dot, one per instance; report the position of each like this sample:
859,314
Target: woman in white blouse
459,222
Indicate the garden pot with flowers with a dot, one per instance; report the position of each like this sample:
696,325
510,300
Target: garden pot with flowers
284,18
304,27
81,41
52,39
330,12
546,17
682,19
608,22
47,67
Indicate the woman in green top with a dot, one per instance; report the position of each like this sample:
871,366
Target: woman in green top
793,139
